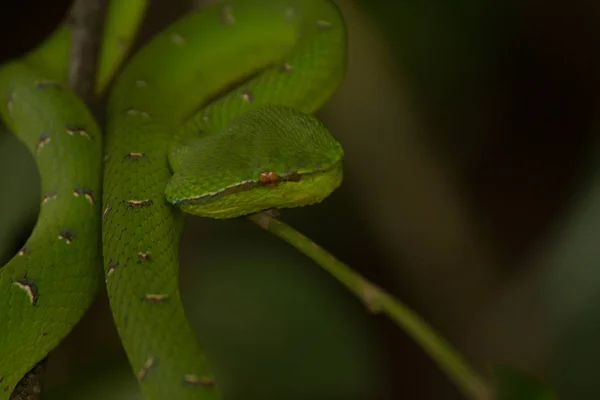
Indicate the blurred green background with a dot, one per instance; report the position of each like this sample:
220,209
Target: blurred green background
471,192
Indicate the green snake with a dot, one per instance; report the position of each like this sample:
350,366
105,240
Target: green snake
211,117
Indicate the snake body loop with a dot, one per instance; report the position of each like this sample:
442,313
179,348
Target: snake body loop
50,283
211,115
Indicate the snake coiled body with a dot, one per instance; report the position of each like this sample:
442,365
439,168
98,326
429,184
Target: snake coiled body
213,116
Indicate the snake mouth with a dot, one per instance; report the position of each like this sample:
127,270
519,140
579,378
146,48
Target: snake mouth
251,196
267,179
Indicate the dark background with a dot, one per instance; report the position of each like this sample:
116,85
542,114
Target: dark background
471,193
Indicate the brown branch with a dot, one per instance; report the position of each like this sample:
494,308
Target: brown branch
87,22
30,386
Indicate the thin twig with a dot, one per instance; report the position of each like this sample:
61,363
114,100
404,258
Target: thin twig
87,22
377,300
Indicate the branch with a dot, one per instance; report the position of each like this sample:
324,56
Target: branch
87,22
30,386
378,301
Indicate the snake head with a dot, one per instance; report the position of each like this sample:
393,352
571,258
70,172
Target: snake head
271,157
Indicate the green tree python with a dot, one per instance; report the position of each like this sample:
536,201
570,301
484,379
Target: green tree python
211,117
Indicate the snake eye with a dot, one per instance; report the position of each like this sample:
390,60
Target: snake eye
269,178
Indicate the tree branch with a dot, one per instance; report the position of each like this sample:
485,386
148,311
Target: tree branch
87,22
378,301
30,386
